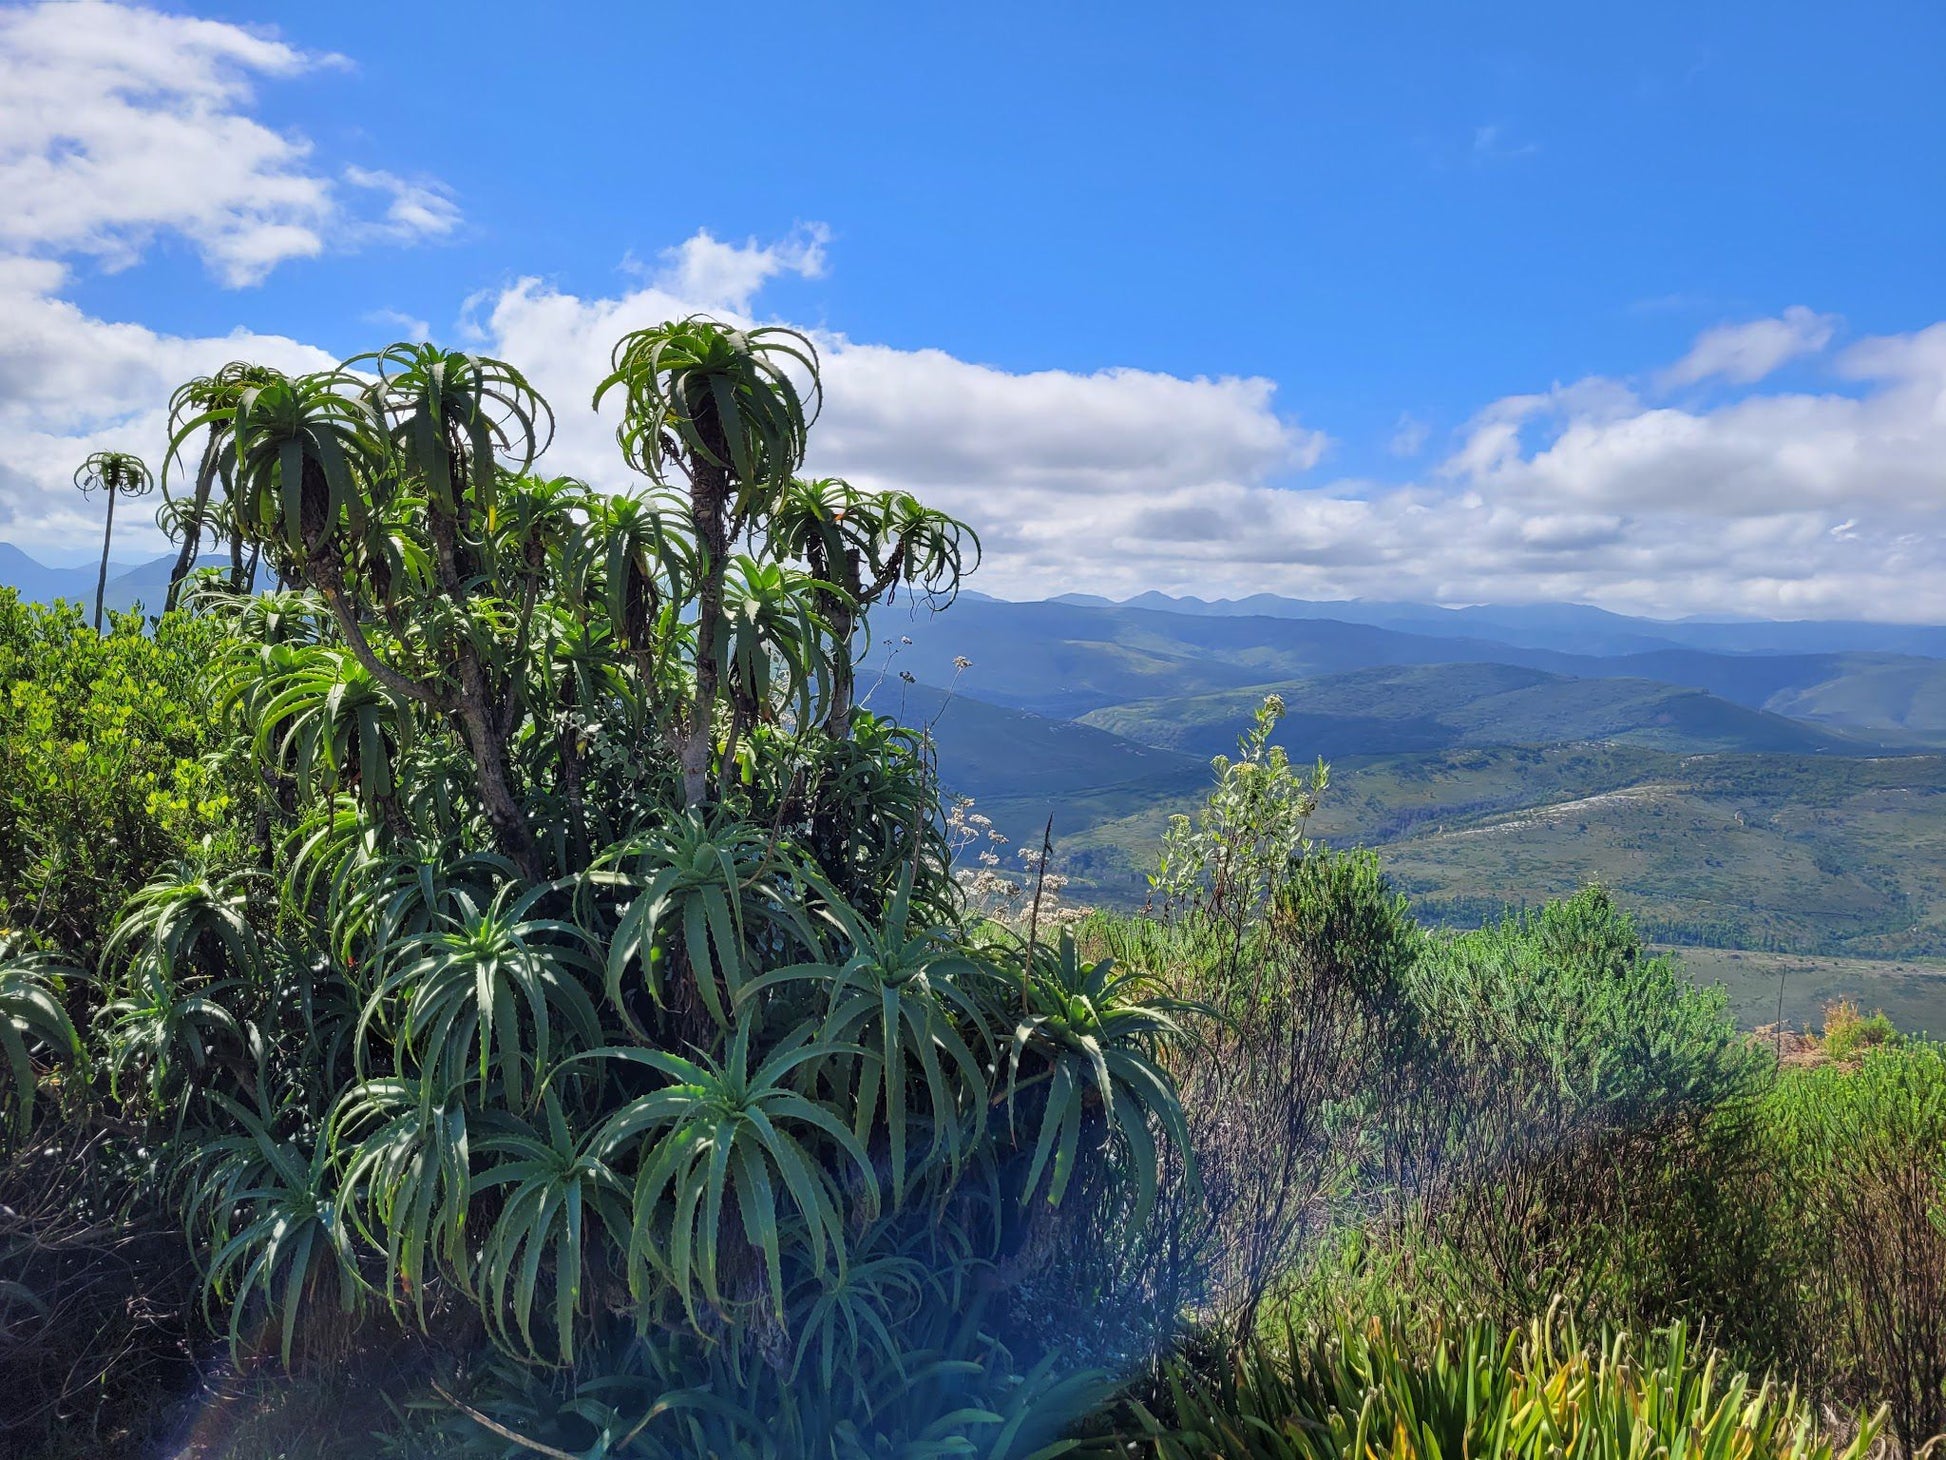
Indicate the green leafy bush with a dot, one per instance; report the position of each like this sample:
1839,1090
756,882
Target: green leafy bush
1564,1116
1848,1032
1856,1211
106,763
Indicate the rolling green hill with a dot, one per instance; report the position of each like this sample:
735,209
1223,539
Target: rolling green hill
1813,854
1889,698
1436,707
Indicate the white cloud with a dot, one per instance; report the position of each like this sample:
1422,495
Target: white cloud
1491,143
1038,462
1745,353
1116,481
121,123
71,384
1408,436
419,208
406,326
726,276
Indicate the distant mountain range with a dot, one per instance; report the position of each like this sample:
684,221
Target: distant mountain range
1393,710
1068,660
146,583
1575,628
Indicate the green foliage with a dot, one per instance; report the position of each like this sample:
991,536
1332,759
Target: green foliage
478,996
1094,1035
724,1137
106,764
275,1232
553,1189
573,961
114,474
694,886
1856,1211
895,1008
1477,1389
1848,1033
1564,1002
725,395
1572,1109
33,1021
1250,832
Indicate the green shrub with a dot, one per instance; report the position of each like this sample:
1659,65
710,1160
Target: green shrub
1856,1207
1848,1032
1474,1389
1569,1116
105,762
1297,960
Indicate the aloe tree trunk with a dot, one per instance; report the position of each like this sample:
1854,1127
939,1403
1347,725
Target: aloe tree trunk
192,529
708,497
107,536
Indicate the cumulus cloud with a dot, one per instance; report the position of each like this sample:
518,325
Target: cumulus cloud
1117,481
1050,466
71,384
122,123
1745,353
726,276
415,208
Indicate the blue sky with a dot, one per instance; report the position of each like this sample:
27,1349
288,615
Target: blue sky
1457,250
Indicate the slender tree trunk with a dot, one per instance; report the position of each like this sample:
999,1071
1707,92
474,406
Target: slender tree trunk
477,710
509,822
107,535
192,532
837,719
708,490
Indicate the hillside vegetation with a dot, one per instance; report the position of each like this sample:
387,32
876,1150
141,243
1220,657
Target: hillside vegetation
1805,853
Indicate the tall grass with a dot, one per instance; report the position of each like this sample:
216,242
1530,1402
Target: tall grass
1379,1389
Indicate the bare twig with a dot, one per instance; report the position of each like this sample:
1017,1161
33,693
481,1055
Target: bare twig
513,1436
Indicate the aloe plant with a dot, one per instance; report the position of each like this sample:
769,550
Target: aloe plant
113,474
32,1017
569,951
1092,1036
725,1139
